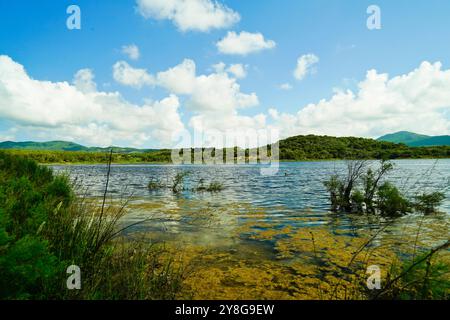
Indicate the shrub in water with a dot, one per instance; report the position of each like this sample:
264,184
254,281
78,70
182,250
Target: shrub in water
391,202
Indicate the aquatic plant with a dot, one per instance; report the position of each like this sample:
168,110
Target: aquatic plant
390,201
155,185
428,202
346,194
177,184
213,186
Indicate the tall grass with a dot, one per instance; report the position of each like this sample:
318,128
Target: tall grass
45,227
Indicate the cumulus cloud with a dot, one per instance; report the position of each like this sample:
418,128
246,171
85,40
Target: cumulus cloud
305,65
132,51
125,74
180,79
60,110
238,70
197,15
418,101
218,91
84,81
244,43
214,92
215,99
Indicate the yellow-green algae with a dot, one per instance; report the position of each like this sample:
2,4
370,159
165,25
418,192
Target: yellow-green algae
260,258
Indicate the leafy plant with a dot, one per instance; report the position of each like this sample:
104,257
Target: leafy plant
390,201
428,202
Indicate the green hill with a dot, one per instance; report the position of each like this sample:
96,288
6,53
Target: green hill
63,146
325,147
416,140
50,146
432,141
297,148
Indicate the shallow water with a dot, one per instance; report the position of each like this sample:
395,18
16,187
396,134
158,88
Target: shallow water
261,227
294,197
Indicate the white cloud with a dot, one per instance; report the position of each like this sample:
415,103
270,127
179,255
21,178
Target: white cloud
418,101
60,110
214,92
244,43
238,70
132,51
217,91
285,86
197,15
305,65
179,79
125,74
214,98
219,67
84,81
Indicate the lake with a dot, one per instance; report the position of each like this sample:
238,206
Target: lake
294,196
264,227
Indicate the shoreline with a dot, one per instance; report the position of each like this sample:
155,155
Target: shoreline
204,164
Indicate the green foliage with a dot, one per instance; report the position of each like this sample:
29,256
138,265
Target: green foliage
63,146
390,201
212,187
215,187
335,186
346,195
178,180
327,148
27,192
44,228
154,185
63,157
428,202
371,181
297,148
422,277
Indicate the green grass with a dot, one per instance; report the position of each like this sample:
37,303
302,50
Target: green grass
45,227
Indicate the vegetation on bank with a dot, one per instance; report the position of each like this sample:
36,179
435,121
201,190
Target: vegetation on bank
45,228
327,148
363,189
300,148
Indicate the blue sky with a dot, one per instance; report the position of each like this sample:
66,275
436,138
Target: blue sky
34,35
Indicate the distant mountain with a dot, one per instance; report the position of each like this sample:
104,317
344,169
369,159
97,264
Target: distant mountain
298,148
416,140
63,146
51,146
432,141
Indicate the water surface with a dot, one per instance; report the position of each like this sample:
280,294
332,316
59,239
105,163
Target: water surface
294,197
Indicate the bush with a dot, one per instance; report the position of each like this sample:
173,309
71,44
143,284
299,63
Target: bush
44,228
391,202
428,202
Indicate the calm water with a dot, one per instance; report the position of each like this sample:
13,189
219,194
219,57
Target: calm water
295,196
